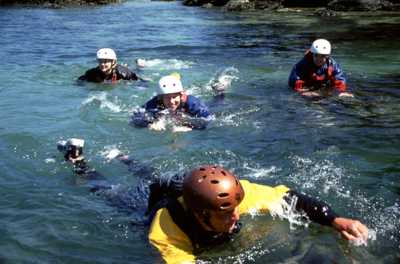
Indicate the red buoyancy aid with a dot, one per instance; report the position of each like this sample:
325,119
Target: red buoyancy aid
318,80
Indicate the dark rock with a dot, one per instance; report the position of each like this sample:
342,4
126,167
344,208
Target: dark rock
323,12
308,3
56,3
203,2
268,4
209,5
362,5
239,5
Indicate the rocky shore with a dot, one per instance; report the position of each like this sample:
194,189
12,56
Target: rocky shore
323,7
329,6
56,3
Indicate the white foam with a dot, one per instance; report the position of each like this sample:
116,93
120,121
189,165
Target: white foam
167,64
50,160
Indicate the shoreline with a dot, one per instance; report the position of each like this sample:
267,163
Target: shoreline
330,8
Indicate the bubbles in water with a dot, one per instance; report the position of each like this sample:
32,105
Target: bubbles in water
318,174
237,119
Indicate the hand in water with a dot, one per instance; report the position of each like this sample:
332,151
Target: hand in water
75,160
345,94
159,125
311,94
350,229
181,129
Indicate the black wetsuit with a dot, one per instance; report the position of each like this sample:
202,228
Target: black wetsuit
118,73
132,200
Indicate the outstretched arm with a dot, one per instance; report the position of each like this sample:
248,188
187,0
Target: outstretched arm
323,214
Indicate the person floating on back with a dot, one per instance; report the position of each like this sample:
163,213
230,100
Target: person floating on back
108,70
173,102
318,74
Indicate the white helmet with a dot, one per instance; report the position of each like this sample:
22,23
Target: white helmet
106,54
170,84
76,142
321,46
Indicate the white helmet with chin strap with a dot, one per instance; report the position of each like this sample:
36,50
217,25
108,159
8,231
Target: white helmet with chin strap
106,54
321,46
170,84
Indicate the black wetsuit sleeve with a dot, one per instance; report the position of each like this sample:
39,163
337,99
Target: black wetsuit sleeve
95,180
316,210
82,78
126,74
142,119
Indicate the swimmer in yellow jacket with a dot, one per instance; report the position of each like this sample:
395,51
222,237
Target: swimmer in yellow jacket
208,211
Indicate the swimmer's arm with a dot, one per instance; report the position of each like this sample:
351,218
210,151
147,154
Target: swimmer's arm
323,214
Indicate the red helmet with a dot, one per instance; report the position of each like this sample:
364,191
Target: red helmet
212,187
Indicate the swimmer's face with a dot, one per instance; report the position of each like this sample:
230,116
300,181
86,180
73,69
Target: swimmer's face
106,65
221,221
172,101
320,59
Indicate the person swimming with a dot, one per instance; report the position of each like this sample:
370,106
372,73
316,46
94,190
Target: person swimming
108,70
317,73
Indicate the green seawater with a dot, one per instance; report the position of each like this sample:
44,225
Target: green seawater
343,151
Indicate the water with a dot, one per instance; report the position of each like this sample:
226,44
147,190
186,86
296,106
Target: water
344,151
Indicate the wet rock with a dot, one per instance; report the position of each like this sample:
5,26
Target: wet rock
308,3
323,12
239,5
204,2
208,5
268,4
363,5
57,3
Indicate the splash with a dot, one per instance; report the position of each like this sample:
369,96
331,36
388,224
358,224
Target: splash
168,64
287,210
176,123
223,80
260,173
110,152
324,177
319,174
362,242
101,99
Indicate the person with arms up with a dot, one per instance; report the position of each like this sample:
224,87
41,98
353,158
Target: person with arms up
108,70
317,73
208,210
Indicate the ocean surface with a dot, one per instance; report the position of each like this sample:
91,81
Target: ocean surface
343,151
